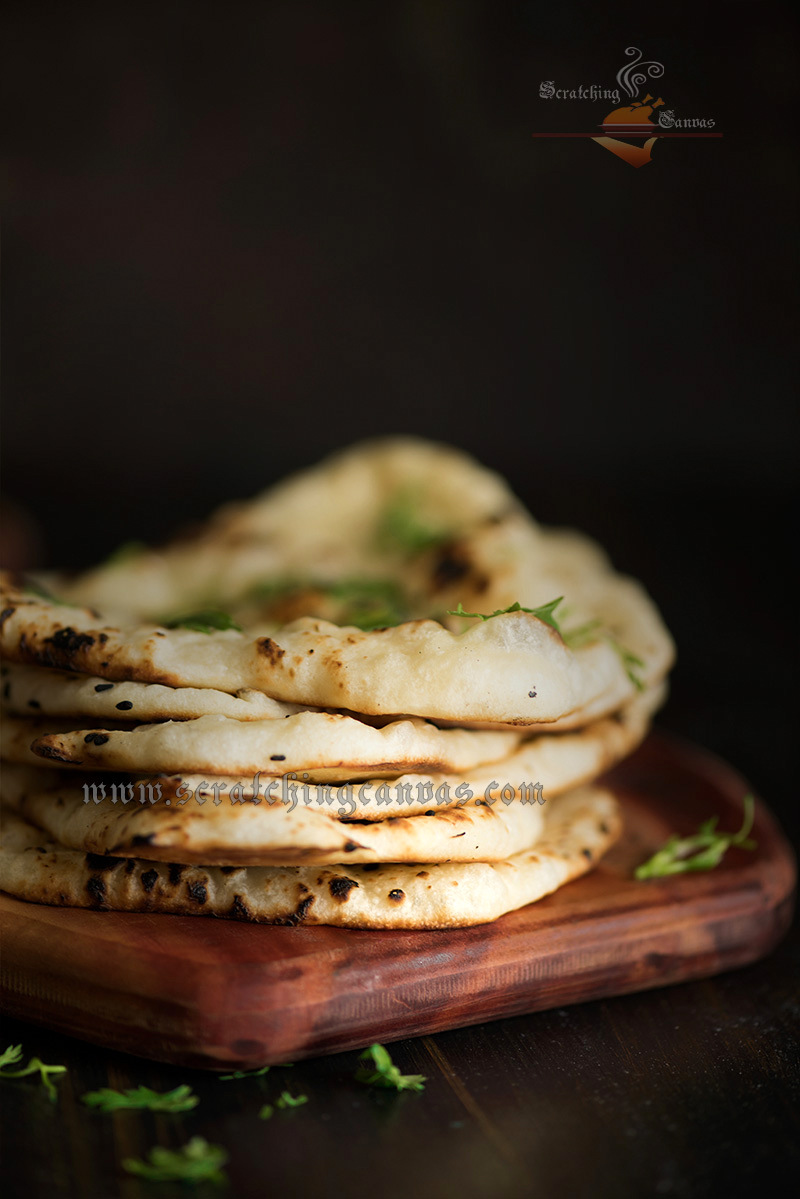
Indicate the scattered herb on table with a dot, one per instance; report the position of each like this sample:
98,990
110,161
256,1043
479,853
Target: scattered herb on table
703,850
285,1100
382,1072
181,1099
244,1074
12,1056
194,1162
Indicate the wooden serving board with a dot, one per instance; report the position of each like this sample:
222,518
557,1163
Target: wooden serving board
221,995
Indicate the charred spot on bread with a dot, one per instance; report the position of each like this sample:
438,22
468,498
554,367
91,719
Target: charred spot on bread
340,888
271,650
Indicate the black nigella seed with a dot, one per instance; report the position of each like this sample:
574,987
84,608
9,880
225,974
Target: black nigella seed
124,705
278,758
104,686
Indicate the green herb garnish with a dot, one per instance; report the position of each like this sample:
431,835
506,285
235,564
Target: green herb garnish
244,1074
285,1100
181,1099
13,1055
573,638
369,603
275,589
399,527
382,1072
704,850
366,603
209,621
584,634
31,587
630,661
196,1162
10,1056
544,613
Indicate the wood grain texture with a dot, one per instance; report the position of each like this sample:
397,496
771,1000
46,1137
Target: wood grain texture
221,995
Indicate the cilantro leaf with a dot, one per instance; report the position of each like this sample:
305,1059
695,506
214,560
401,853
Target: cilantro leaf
630,661
546,612
573,638
703,850
584,634
10,1056
244,1074
31,587
209,621
400,529
181,1099
383,1073
593,631
366,603
369,603
13,1056
194,1162
286,1100
266,1112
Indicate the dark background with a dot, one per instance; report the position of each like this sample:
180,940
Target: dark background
240,236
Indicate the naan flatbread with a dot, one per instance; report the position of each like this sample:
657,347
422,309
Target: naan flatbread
35,689
554,762
578,829
390,533
323,746
274,834
513,669
18,733
367,512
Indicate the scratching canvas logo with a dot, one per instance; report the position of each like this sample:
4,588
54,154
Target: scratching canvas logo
631,128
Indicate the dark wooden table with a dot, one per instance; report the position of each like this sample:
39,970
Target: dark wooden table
689,1090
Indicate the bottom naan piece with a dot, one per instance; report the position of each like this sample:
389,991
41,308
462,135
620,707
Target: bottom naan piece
578,828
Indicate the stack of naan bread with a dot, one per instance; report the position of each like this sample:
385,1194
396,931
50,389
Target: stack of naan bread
304,646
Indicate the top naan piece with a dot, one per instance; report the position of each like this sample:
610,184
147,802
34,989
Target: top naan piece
367,515
513,669
345,579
